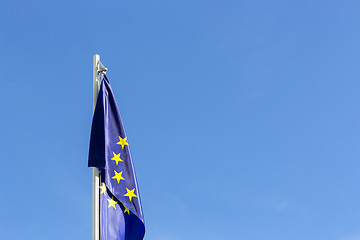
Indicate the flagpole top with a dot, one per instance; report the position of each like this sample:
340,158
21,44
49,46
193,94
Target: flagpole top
99,66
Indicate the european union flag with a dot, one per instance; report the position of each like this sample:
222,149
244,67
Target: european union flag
121,215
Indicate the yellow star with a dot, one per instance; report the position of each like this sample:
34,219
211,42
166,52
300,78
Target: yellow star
103,188
130,193
117,158
112,202
122,142
118,176
126,210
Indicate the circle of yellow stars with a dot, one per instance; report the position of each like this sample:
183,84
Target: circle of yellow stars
118,176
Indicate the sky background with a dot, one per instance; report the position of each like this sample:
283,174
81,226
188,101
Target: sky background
242,116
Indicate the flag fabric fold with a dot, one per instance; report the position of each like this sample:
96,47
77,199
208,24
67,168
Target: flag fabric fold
121,216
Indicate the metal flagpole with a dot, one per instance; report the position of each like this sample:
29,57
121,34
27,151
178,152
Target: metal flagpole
98,68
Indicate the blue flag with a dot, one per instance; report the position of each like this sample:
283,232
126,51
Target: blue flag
121,215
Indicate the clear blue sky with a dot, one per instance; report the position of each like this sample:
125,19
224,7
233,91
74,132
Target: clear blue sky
242,117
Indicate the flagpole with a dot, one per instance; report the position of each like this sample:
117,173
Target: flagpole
96,179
